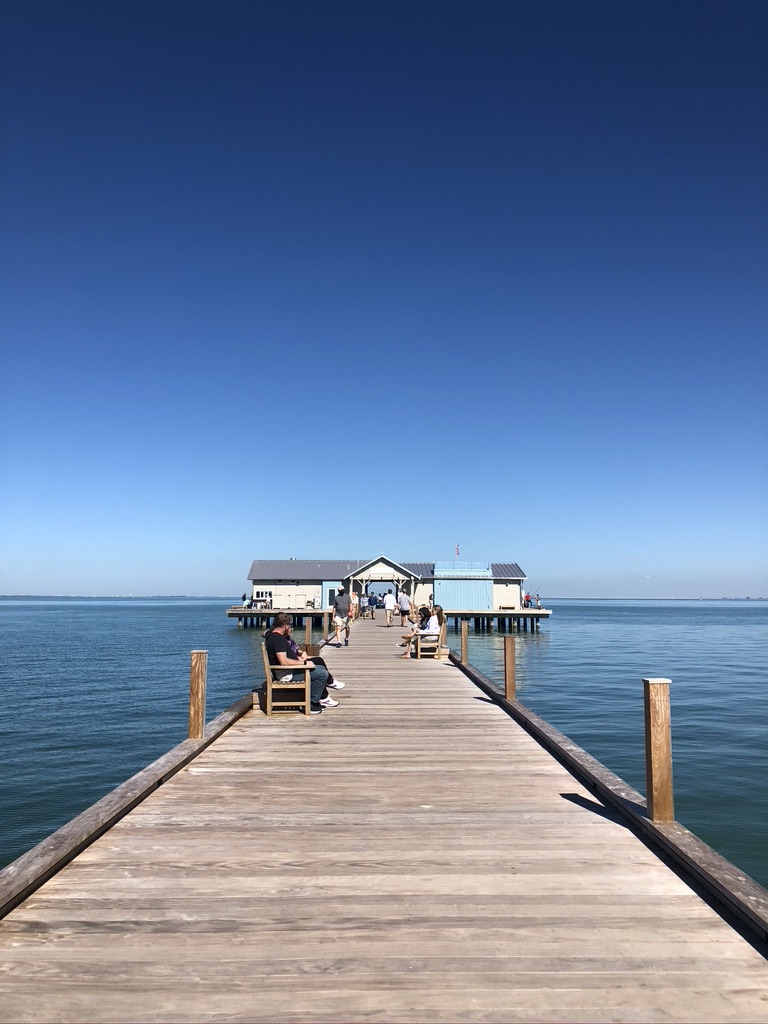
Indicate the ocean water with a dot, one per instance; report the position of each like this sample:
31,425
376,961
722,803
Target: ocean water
94,690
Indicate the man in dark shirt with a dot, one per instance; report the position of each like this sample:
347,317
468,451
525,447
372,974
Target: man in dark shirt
341,616
281,651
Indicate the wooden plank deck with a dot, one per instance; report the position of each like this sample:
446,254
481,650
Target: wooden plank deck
412,855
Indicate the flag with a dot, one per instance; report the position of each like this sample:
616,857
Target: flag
457,549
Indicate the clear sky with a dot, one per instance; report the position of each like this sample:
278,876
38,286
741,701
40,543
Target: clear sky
329,279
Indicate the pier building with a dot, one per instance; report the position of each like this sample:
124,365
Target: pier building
487,593
313,583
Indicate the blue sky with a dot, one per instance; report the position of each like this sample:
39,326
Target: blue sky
335,279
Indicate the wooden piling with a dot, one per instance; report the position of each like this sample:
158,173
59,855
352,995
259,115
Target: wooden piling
509,668
658,750
198,673
465,641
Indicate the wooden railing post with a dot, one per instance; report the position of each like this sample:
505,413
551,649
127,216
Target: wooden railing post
464,641
509,667
308,629
325,626
658,750
198,673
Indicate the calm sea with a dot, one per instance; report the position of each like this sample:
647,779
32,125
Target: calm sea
94,690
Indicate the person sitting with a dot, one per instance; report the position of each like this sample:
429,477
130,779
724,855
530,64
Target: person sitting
333,683
434,627
281,650
421,623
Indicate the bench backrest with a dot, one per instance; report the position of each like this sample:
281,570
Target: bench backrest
267,666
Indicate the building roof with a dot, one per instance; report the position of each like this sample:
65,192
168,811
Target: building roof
341,568
305,568
419,568
507,571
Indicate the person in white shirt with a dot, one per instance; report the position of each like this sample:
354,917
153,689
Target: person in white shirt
433,627
389,606
405,607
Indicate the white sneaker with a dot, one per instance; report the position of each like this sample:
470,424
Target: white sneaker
336,685
329,702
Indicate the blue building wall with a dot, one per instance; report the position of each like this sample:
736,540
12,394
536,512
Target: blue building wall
475,595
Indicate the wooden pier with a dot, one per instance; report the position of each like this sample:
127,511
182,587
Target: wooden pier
412,855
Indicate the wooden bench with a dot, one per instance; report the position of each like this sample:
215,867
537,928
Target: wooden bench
279,693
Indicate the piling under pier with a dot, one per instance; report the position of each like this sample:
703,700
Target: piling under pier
505,620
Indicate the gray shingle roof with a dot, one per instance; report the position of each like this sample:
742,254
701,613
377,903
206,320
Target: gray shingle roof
340,568
304,568
507,571
419,568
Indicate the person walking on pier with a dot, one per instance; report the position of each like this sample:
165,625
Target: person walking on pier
341,606
281,650
404,603
372,605
389,606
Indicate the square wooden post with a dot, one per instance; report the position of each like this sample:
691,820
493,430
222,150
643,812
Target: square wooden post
198,673
658,750
464,641
509,667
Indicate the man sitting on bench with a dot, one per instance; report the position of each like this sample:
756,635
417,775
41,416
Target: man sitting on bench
282,651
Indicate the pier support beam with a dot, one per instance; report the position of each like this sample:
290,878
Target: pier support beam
465,641
658,750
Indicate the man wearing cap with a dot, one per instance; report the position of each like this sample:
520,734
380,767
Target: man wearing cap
341,616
